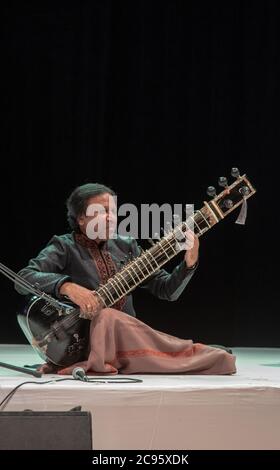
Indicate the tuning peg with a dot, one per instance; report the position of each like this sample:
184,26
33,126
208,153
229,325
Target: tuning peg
244,191
235,173
228,204
163,232
176,220
151,241
211,191
223,181
168,227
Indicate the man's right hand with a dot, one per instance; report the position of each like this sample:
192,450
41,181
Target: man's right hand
86,299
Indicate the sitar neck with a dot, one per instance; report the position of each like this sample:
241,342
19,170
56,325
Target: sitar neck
150,261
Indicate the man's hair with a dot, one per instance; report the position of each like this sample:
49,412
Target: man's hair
77,201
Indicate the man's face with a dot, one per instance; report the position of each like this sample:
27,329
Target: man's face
100,220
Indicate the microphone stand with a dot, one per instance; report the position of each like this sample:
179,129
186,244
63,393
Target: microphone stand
35,373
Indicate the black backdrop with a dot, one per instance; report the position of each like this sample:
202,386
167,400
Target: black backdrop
156,99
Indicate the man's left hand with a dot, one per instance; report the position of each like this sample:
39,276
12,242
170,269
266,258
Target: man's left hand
192,249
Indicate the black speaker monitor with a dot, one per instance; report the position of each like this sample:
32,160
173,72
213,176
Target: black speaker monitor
45,430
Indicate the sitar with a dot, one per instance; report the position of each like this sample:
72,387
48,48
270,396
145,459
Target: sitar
56,330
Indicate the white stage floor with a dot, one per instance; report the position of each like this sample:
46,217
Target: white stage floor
164,411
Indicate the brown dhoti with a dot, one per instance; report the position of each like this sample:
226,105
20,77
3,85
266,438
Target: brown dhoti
120,343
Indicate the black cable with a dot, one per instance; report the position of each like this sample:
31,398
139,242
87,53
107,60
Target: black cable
118,380
91,380
11,393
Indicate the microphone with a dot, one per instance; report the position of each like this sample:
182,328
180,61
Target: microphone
80,374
